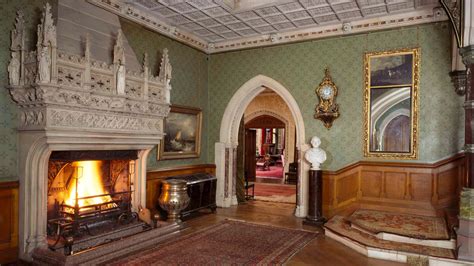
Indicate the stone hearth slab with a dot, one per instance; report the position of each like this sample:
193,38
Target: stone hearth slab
109,251
105,237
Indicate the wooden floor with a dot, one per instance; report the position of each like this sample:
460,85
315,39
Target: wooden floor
320,251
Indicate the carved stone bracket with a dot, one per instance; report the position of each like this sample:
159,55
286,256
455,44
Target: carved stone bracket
459,81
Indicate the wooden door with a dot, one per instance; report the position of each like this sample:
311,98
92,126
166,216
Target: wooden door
250,146
397,135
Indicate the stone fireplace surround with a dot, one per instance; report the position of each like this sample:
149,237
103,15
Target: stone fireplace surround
70,102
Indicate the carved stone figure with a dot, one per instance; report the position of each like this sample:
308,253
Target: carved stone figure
165,74
44,65
168,94
14,69
316,156
17,46
46,46
120,79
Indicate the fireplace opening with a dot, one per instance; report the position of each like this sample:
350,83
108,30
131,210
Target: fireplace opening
90,199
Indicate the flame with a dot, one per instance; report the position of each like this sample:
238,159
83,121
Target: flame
89,184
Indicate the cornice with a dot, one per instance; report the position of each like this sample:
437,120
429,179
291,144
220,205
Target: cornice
141,17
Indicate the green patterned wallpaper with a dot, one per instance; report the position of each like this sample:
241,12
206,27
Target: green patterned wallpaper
189,78
300,68
8,111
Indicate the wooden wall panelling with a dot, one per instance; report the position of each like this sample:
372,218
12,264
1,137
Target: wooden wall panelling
8,222
417,188
347,188
448,185
155,177
328,192
371,183
395,183
419,184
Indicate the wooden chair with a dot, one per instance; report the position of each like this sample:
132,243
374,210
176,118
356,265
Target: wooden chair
291,177
264,162
281,161
248,186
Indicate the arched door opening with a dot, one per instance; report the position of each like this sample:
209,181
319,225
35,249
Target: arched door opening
226,148
268,151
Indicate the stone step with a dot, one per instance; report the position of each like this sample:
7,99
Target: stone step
393,255
448,244
340,229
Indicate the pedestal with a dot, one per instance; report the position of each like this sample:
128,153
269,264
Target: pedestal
315,202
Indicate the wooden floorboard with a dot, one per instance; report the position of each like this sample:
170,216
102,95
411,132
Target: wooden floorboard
320,251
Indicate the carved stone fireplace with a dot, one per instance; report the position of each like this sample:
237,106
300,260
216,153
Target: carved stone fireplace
76,111
89,194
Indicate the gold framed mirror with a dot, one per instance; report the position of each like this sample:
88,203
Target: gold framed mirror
391,103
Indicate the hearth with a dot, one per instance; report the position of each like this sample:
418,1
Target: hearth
84,121
89,195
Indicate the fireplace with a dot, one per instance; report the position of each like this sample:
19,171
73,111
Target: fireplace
85,131
89,194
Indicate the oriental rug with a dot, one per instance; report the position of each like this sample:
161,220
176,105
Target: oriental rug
340,226
421,227
228,242
275,192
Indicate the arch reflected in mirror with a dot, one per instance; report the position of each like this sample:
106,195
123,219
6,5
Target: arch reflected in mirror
390,119
391,93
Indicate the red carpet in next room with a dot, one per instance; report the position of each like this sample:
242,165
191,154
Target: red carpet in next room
421,227
274,172
226,243
275,193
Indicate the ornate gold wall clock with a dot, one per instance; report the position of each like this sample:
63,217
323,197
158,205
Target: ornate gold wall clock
327,110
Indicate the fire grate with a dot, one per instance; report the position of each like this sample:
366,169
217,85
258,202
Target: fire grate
76,222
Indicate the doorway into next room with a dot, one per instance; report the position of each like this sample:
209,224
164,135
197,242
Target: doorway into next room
269,150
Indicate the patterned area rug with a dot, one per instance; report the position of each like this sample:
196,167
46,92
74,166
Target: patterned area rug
229,242
275,193
342,227
420,227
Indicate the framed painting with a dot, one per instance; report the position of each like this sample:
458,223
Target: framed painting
182,130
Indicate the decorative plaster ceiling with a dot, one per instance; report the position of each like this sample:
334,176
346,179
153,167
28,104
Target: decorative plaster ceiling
220,25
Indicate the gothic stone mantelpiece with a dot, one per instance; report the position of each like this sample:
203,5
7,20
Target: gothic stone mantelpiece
73,102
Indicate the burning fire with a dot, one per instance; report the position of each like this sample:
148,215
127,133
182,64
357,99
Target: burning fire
89,184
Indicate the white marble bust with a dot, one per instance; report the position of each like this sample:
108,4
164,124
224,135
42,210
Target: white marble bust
316,156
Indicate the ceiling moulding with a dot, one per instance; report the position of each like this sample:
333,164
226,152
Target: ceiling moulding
142,17
151,22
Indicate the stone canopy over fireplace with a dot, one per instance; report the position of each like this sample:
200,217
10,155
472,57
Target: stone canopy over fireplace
71,102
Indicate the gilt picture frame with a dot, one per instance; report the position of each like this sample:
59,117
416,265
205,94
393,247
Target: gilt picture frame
391,103
182,137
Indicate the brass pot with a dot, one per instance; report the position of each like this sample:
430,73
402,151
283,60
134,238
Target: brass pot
174,198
